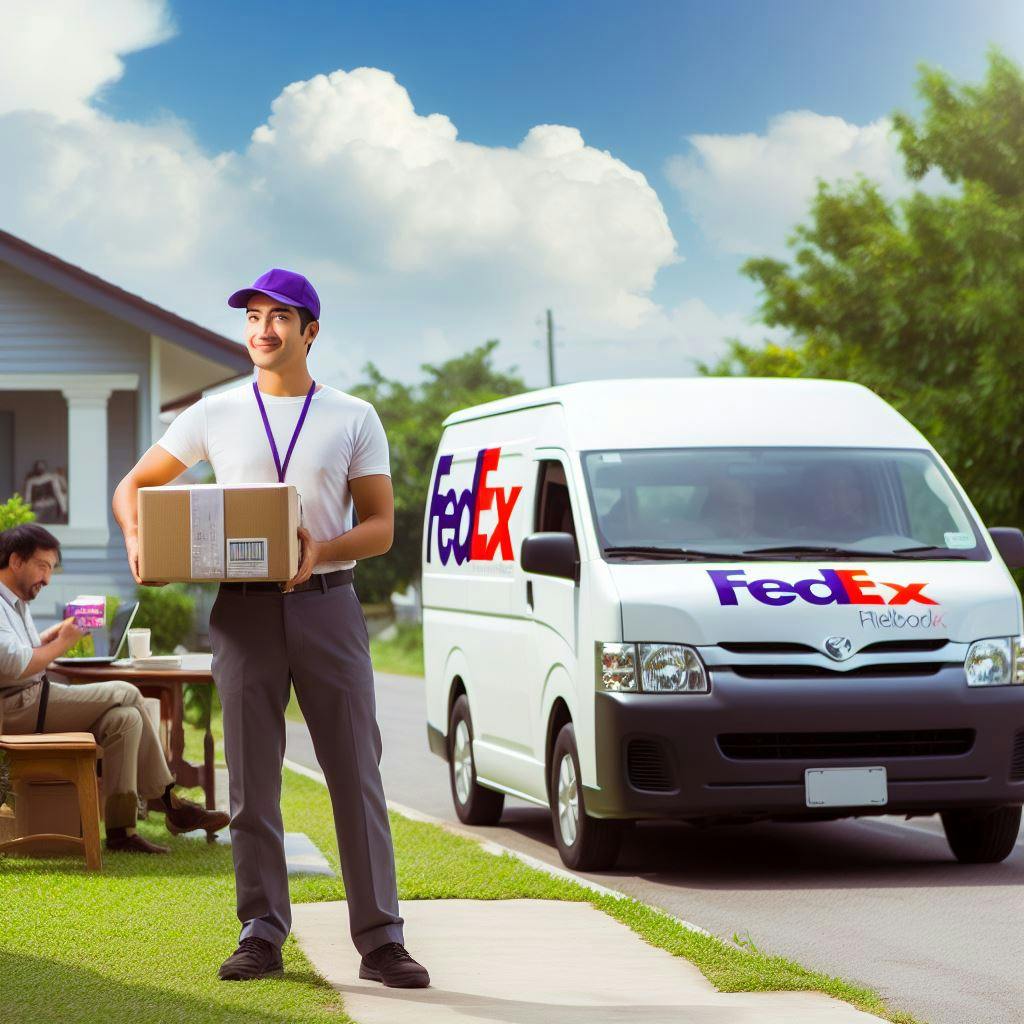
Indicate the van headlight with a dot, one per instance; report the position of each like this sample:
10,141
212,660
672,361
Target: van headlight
617,667
652,668
998,661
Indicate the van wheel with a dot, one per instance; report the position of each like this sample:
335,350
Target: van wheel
982,836
584,843
474,804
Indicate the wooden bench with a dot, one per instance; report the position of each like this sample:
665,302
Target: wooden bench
59,757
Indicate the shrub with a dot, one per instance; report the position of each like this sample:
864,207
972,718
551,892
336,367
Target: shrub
14,512
168,612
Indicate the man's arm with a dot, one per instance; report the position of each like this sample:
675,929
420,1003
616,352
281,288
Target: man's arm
19,659
374,534
42,656
374,500
155,468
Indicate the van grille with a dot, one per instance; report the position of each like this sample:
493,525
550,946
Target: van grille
767,648
1017,760
647,766
901,668
880,647
815,746
903,646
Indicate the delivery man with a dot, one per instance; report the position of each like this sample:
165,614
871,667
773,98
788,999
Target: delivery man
309,631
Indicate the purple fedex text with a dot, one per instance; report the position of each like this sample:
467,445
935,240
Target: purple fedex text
831,586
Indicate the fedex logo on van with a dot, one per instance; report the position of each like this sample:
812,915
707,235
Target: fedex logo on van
452,510
831,586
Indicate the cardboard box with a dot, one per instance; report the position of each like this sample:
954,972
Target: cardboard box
203,533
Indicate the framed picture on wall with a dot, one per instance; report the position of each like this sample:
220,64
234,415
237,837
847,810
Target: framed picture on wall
46,491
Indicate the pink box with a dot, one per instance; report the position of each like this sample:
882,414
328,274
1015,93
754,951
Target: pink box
90,611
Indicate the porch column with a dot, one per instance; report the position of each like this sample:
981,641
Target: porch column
87,459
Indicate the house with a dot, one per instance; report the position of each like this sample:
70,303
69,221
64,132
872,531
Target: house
89,377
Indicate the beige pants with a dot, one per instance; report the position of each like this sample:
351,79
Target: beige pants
133,759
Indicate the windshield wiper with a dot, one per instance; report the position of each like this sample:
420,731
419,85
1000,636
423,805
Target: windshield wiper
673,553
822,549
931,549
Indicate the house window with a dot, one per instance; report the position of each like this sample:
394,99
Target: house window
34,452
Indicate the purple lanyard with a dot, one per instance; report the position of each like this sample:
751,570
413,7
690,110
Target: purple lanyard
281,470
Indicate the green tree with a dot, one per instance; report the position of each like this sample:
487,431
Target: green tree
922,300
412,416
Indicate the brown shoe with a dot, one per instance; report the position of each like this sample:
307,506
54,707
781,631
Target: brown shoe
392,965
134,843
254,958
187,816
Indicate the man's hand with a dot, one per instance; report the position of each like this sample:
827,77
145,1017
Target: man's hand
50,633
131,545
69,633
309,557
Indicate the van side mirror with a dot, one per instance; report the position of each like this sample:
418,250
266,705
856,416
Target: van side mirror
1009,542
551,554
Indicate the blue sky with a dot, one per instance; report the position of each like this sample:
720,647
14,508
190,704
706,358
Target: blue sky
638,80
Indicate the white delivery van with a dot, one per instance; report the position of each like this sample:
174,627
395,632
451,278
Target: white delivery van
718,599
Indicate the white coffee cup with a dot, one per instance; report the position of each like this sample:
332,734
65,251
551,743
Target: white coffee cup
138,643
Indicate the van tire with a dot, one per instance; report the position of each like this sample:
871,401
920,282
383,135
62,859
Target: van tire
595,846
480,806
982,835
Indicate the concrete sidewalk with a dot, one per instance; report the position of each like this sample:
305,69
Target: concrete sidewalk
526,961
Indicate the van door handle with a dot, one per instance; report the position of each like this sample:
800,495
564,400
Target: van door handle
529,594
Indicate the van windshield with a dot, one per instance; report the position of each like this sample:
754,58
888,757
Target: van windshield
805,502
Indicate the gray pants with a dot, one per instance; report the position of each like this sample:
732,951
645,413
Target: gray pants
262,641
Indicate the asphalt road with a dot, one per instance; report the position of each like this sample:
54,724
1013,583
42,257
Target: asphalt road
881,902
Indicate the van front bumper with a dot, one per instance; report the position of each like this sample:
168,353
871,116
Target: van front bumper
741,750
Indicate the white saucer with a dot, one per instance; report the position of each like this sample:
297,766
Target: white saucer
158,661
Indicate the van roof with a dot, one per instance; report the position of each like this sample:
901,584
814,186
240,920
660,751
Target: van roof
650,412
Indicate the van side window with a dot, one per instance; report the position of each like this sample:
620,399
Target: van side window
553,513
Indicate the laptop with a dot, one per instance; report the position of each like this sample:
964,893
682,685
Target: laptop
123,619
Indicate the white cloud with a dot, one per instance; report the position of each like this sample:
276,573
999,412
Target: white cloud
421,244
669,342
747,192
384,190
409,233
57,54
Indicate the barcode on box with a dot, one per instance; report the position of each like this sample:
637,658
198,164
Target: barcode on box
247,556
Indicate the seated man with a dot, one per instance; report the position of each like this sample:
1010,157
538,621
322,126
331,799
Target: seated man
133,760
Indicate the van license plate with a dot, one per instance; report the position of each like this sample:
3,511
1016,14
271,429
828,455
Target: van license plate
845,787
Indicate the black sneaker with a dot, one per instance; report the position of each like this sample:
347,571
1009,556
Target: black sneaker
253,959
392,965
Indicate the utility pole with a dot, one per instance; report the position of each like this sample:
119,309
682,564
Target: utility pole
551,350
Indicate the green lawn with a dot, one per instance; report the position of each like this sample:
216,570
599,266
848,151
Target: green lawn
142,940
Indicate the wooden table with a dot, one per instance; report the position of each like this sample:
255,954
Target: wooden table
167,685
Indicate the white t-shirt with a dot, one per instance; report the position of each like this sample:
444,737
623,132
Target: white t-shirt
341,439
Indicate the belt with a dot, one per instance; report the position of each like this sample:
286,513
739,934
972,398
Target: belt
318,581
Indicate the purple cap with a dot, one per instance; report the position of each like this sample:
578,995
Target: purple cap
284,285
